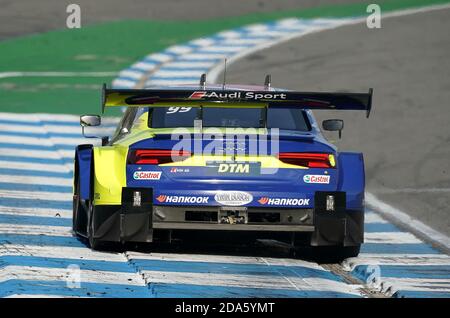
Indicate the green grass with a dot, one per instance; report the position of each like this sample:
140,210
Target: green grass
73,95
114,46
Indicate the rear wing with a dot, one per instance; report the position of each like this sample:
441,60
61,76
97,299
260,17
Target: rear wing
236,98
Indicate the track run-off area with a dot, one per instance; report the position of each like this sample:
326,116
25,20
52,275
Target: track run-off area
39,256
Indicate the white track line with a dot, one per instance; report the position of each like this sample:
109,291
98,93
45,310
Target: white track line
42,129
38,195
425,260
28,153
131,74
160,57
204,56
222,259
171,74
408,222
31,273
64,252
46,230
145,66
390,285
26,141
271,281
67,154
391,238
179,49
34,166
49,295
410,190
167,82
68,141
56,74
44,212
45,117
181,65
46,141
372,217
36,180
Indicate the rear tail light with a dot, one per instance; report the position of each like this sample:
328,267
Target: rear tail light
310,160
156,156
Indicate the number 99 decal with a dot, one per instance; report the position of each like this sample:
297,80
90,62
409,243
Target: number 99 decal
173,110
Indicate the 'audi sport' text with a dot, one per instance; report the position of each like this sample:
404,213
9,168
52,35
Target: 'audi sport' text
237,95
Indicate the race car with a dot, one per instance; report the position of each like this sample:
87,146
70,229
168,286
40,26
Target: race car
222,159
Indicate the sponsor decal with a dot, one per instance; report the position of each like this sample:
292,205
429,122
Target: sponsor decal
231,146
197,95
147,175
174,109
316,178
181,199
233,198
234,168
283,201
179,170
236,95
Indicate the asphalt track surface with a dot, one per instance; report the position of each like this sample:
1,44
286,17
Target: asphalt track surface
30,16
406,140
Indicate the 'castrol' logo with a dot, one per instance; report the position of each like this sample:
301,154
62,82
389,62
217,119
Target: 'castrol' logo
233,198
316,178
147,175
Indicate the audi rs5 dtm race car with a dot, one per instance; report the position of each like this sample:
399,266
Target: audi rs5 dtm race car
224,159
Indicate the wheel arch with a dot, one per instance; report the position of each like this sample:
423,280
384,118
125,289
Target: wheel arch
109,174
83,170
352,178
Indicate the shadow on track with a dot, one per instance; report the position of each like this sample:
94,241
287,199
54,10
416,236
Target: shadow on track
215,246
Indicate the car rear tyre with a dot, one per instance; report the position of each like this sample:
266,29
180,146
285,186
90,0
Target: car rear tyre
94,243
78,213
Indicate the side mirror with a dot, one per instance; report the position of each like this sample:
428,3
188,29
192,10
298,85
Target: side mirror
333,125
90,120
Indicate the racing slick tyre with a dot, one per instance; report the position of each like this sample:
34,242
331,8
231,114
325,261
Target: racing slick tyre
79,221
94,243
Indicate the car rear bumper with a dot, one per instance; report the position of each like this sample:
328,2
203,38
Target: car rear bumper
232,227
136,223
232,218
